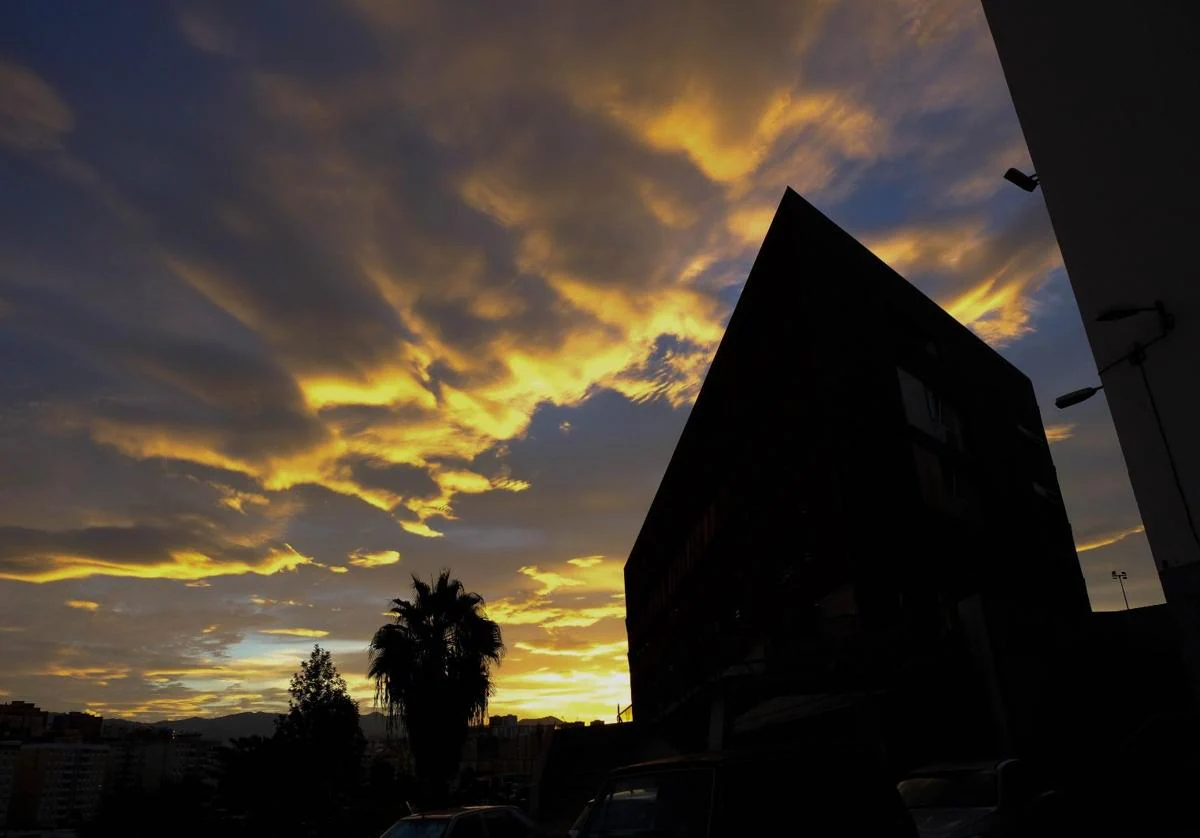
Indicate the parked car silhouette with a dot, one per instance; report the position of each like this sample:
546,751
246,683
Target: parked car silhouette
992,799
465,822
577,827
745,795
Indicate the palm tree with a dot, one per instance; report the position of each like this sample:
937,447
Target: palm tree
432,669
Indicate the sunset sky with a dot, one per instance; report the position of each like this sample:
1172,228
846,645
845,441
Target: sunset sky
298,299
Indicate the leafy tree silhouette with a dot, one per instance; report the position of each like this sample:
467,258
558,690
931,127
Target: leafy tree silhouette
305,779
320,738
432,669
321,712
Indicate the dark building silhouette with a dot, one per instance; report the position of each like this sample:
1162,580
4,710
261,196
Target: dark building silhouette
75,726
57,784
862,508
9,754
22,720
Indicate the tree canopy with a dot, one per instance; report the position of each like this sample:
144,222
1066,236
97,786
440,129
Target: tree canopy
432,668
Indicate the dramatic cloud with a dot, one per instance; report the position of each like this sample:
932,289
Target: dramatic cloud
145,552
1008,267
288,314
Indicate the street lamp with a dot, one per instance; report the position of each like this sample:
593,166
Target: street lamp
1166,320
1076,396
1021,180
1137,357
1121,576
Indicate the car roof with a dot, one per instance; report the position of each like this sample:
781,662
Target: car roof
690,761
713,759
440,814
945,767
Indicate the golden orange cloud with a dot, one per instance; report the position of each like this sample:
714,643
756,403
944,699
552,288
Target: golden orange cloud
86,673
730,144
586,561
506,380
255,599
539,624
992,292
593,693
233,499
549,580
1108,539
181,565
508,612
1060,432
83,604
378,558
594,650
296,632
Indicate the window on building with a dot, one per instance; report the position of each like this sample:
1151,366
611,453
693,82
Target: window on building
945,485
927,411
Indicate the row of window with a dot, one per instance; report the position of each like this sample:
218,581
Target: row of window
681,565
945,482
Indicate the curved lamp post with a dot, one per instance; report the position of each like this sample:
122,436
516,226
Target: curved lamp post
1137,357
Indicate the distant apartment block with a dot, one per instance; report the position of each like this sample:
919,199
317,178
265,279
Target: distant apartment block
57,784
22,720
74,726
8,772
862,502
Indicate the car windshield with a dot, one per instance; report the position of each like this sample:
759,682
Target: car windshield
422,828
579,821
667,804
951,790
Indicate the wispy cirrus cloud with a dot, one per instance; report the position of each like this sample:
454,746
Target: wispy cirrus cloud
1108,539
615,650
42,557
296,632
1060,432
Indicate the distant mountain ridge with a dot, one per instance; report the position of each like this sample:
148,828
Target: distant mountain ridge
239,725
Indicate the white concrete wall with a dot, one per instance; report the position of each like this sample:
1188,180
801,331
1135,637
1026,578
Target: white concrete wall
1107,95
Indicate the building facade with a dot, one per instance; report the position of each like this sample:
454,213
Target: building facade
57,784
9,751
22,720
862,502
1104,95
